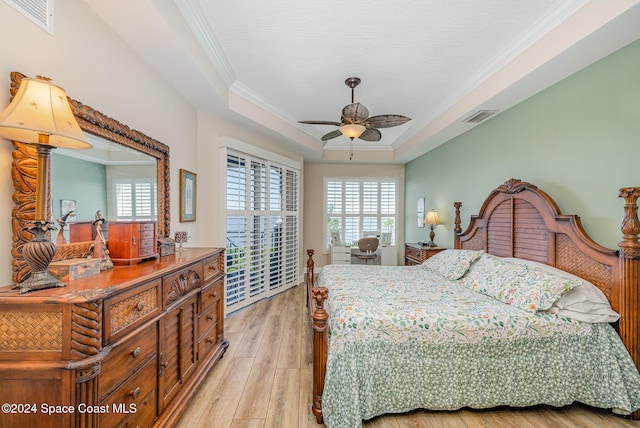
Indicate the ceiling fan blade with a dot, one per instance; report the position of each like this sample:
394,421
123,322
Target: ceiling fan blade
320,122
371,134
330,135
387,120
354,113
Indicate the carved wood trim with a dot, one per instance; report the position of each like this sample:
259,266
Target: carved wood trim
23,173
86,329
185,282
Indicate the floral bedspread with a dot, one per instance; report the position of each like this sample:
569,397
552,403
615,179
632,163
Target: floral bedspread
403,338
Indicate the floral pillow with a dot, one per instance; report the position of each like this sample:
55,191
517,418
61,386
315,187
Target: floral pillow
452,264
518,285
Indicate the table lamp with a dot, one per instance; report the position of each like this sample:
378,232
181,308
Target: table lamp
40,115
431,219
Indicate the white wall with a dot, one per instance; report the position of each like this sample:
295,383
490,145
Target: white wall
95,67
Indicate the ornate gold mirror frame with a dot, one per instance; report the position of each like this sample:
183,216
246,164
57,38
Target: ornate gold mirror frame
23,174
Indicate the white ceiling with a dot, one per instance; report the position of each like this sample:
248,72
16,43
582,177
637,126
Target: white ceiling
269,64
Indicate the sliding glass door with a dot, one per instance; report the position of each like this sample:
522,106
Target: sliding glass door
262,229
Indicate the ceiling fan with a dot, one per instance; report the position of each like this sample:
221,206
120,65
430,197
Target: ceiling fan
355,121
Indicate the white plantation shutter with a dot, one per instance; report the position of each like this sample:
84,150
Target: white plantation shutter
262,229
135,199
357,205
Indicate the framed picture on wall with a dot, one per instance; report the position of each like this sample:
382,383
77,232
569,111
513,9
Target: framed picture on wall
67,208
187,195
335,238
420,210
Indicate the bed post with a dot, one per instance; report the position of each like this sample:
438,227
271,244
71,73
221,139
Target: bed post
630,277
320,349
309,281
457,230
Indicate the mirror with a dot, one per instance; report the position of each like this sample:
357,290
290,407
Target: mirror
95,123
115,180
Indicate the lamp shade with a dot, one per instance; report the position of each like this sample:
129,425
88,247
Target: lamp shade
432,218
352,130
40,114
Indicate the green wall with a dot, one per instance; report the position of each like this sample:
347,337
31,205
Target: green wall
578,140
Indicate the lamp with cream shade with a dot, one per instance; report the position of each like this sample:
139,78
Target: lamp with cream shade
431,219
40,115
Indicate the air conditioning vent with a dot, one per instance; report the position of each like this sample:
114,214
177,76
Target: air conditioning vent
479,116
38,11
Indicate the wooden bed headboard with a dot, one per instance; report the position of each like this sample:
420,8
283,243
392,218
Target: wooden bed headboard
519,220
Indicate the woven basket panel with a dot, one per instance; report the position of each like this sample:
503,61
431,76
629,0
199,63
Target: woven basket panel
569,258
30,331
124,313
475,243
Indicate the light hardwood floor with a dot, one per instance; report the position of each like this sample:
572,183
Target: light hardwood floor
264,380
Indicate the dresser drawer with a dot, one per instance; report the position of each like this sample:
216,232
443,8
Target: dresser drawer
414,253
131,395
145,413
207,320
127,310
208,342
127,357
213,267
211,295
180,283
148,226
147,247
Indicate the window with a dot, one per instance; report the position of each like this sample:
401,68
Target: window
355,205
135,199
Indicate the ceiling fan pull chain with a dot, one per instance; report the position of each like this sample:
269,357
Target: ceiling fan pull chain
351,149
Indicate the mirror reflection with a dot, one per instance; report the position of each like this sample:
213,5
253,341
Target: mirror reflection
114,180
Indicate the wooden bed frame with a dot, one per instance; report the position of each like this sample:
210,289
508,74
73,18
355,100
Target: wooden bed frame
519,220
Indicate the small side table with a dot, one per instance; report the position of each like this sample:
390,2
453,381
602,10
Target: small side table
415,254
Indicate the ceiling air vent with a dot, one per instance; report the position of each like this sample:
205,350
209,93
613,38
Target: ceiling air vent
479,116
39,11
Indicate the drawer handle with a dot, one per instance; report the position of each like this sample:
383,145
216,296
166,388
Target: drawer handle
214,294
135,393
210,317
210,340
140,306
133,241
136,352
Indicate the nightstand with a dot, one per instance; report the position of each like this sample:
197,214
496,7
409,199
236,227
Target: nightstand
339,255
415,254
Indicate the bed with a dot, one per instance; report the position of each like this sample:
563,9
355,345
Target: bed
455,332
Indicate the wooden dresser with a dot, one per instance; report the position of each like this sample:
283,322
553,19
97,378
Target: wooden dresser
132,242
126,347
415,254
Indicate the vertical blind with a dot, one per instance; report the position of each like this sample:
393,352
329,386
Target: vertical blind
262,229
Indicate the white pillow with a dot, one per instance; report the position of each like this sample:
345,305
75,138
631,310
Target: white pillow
586,303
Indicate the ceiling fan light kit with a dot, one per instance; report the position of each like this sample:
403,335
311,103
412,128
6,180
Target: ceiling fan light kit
355,121
352,130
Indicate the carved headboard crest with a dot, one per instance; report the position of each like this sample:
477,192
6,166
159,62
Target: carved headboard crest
514,185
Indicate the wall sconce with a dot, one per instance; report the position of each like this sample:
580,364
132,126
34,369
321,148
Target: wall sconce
40,114
431,219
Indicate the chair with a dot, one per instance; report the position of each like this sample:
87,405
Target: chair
367,247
